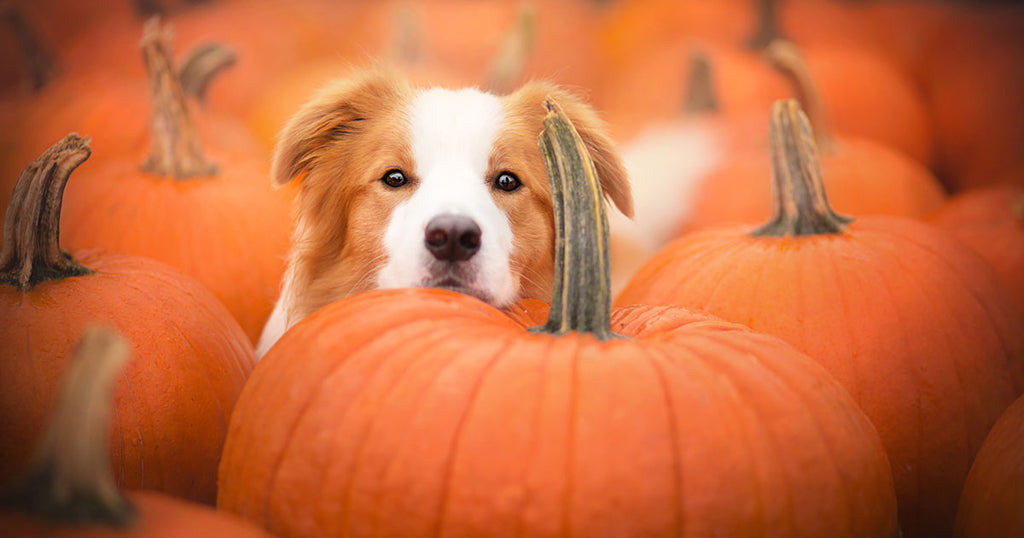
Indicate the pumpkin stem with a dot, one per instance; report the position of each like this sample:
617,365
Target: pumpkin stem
785,57
767,25
799,204
41,66
201,66
176,149
31,249
147,8
515,50
582,284
71,478
701,97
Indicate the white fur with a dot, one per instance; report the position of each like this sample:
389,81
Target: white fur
452,137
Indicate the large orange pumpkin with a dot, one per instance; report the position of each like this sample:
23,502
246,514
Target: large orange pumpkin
915,324
71,490
218,222
422,412
992,503
173,402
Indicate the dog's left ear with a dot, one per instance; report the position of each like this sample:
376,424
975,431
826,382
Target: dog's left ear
610,170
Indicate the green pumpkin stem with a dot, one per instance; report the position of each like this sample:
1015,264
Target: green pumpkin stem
799,204
176,150
767,25
701,97
31,249
40,63
517,46
786,58
582,284
201,66
71,478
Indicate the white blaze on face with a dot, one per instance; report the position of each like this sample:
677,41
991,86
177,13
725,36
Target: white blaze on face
452,137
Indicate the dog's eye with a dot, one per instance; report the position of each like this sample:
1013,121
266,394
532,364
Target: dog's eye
507,181
394,179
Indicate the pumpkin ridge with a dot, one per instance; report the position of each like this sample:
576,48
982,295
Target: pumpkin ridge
369,430
571,440
301,414
819,430
535,439
455,442
655,363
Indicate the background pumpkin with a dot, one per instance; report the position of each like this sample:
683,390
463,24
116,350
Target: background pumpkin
173,402
219,222
426,412
990,220
70,491
915,325
992,498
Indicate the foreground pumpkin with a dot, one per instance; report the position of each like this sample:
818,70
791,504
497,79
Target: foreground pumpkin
423,412
992,503
71,490
218,222
173,401
912,322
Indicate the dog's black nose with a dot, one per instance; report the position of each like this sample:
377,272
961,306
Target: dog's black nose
452,238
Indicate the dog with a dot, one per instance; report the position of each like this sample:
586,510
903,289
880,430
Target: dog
404,187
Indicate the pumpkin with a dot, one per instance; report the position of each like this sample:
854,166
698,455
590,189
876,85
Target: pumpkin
420,412
991,221
218,222
173,403
913,323
992,503
71,491
861,175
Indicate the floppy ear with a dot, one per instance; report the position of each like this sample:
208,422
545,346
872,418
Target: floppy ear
337,111
610,170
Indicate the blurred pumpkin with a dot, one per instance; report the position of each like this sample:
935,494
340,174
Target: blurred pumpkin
990,220
71,491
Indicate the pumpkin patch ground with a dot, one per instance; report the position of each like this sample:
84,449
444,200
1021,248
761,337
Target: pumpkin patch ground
813,324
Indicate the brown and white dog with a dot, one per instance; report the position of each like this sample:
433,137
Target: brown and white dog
424,187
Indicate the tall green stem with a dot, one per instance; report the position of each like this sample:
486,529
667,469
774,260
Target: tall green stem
582,297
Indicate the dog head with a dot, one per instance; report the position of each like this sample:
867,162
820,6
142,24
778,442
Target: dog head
427,187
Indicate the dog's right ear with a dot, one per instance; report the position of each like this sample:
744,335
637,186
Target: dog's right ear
338,110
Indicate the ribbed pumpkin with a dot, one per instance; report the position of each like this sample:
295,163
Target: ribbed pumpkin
913,323
218,222
173,401
422,412
992,503
70,491
991,221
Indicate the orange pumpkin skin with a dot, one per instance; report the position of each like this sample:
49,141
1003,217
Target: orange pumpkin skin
176,397
229,232
990,220
862,177
159,516
915,325
420,412
992,503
